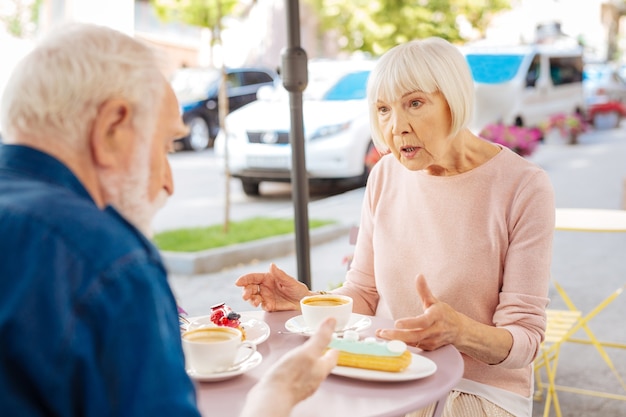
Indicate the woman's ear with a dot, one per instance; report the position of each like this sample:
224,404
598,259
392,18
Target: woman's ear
112,133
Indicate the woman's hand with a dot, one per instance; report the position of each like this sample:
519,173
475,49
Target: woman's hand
441,325
273,291
438,326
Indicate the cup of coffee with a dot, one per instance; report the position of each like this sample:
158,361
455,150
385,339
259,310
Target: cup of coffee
215,349
316,308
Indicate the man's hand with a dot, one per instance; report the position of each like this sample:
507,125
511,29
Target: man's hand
295,377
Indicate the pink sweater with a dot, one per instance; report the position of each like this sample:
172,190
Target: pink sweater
482,239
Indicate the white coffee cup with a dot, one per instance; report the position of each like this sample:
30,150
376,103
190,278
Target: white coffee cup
215,349
316,308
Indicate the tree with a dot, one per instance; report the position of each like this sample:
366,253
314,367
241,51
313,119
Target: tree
377,26
205,14
200,13
480,12
20,17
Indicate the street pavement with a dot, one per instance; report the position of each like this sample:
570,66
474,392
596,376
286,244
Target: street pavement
591,174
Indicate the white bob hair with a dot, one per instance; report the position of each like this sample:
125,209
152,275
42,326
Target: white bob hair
56,90
429,65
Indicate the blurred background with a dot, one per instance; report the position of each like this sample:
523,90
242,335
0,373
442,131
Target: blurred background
544,70
254,31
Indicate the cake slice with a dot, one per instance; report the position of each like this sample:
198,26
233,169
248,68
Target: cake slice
370,353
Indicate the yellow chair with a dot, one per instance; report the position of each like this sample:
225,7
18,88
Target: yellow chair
559,327
562,325
592,221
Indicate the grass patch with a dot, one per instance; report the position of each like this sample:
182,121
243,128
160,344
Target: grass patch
201,238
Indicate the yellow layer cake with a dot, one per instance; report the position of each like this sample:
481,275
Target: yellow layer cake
370,353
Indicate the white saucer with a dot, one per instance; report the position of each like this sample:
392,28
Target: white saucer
257,331
357,323
420,367
251,363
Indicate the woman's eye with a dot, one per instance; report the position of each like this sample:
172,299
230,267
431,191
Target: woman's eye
415,103
383,110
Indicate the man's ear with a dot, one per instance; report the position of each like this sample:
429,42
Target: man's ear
112,133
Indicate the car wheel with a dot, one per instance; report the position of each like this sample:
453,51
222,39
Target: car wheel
250,188
198,138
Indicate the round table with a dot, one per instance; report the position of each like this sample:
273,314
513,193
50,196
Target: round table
337,396
590,220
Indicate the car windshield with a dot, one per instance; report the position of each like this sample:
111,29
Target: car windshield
493,68
349,87
330,82
190,83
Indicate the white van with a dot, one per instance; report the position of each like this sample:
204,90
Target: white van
524,85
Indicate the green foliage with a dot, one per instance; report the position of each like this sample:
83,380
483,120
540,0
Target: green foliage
201,13
22,18
376,26
480,12
201,238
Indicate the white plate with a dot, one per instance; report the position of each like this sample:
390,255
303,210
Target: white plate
257,331
357,323
251,363
420,367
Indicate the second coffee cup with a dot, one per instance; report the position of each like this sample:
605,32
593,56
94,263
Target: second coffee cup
215,349
316,308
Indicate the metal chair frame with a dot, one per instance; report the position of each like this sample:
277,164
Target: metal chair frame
562,326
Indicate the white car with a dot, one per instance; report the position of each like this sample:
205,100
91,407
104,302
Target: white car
603,82
524,85
605,95
338,144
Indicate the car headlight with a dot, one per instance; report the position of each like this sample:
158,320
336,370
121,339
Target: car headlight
326,131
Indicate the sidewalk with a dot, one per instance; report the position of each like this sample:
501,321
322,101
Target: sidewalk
197,292
344,209
589,266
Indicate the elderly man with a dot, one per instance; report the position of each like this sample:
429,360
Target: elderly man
88,322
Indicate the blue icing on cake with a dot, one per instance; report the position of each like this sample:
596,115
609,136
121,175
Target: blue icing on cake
368,346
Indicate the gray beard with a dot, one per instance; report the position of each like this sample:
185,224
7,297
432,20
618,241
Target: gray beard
127,192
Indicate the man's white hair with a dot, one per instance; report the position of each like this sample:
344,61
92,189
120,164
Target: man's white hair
56,90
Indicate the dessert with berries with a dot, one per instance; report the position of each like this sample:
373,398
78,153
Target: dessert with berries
223,315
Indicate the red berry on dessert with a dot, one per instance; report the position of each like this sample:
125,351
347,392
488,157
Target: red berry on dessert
223,315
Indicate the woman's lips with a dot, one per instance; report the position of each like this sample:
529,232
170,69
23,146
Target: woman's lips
409,151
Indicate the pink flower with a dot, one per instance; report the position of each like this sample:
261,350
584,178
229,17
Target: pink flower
567,124
522,140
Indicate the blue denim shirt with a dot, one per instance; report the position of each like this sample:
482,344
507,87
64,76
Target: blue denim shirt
88,322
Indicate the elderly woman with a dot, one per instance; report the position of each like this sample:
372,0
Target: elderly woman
455,239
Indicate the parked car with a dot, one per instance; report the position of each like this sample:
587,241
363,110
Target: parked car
338,144
605,94
197,91
603,82
524,85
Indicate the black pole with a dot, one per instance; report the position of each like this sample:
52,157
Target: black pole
295,79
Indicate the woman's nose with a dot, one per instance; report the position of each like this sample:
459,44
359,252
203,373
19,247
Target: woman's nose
400,124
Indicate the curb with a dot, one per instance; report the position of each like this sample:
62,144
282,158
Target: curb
213,260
